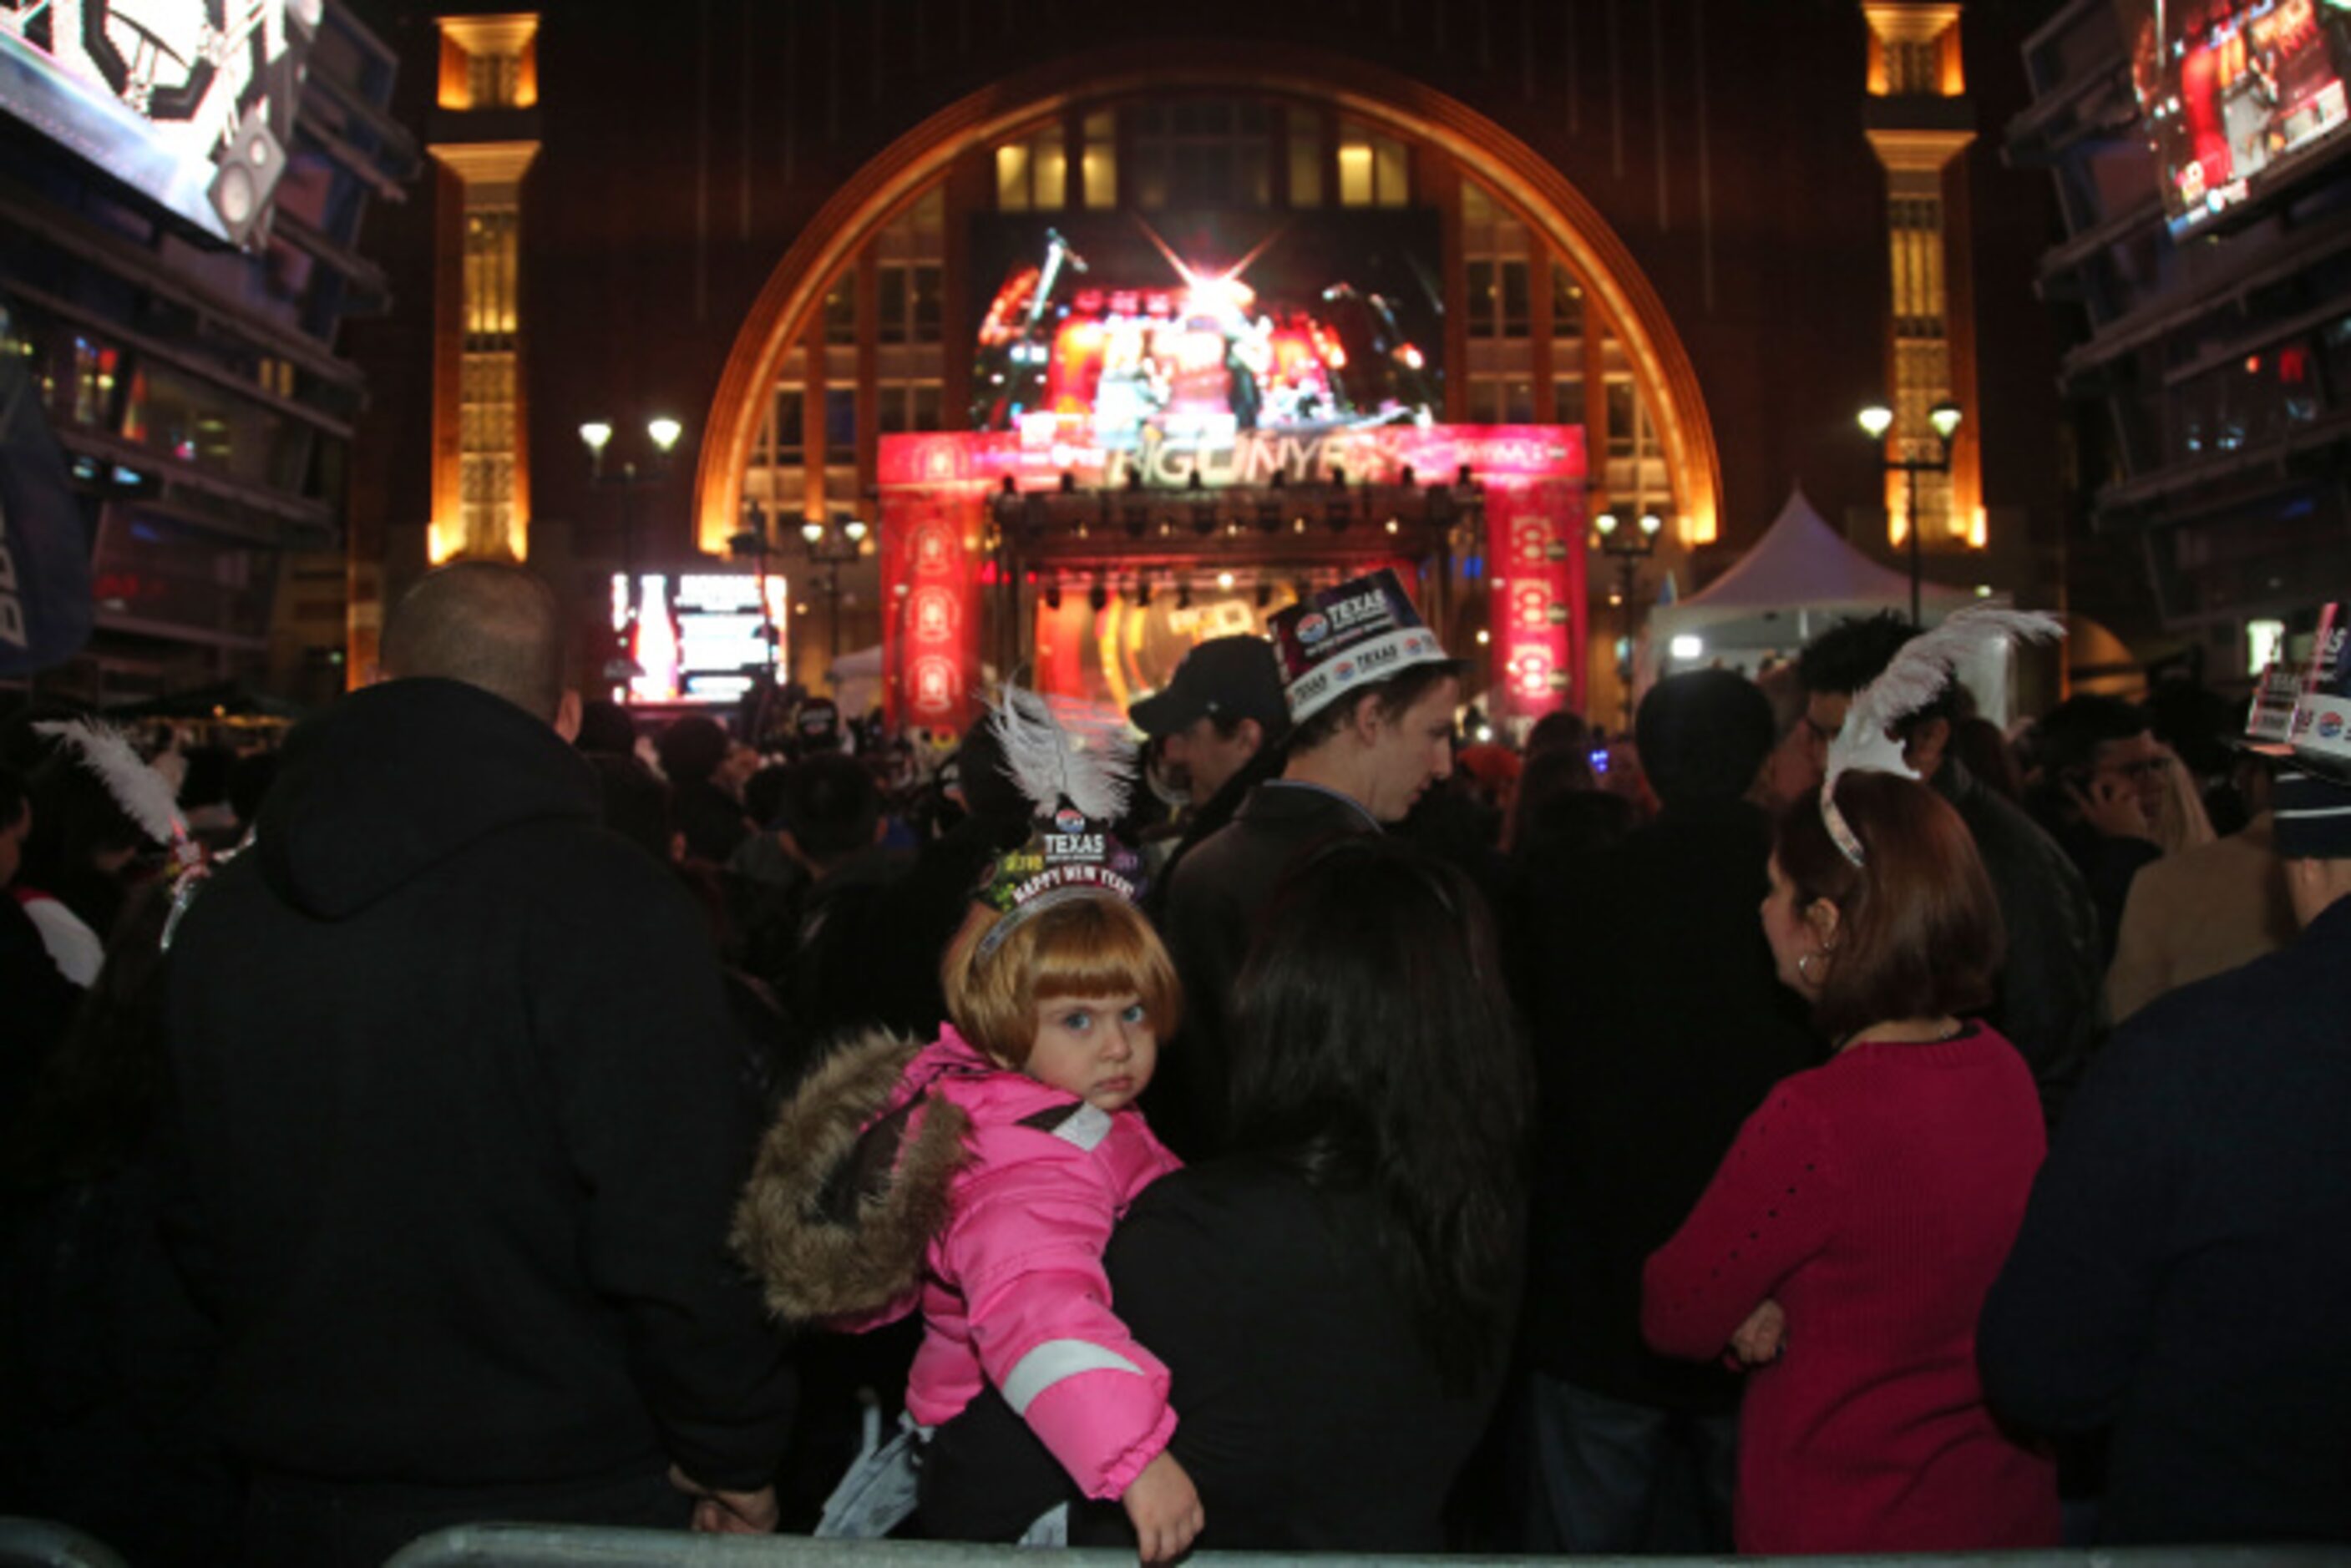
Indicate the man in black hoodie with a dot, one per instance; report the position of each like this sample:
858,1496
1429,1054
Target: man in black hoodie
1657,1026
459,1126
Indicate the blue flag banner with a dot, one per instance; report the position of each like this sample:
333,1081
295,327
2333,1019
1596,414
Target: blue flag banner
44,585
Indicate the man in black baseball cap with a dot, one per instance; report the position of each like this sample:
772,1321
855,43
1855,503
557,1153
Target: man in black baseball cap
1224,707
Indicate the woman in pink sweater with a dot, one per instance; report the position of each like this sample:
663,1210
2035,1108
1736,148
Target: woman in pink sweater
1843,1252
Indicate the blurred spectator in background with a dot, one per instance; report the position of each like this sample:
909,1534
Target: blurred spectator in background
1657,1026
2207,909
1978,745
698,760
1792,770
1219,725
2099,791
249,779
606,729
79,863
36,1000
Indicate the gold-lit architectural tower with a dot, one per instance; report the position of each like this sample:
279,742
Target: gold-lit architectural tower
486,134
1920,120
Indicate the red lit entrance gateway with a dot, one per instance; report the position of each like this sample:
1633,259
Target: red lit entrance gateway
1095,569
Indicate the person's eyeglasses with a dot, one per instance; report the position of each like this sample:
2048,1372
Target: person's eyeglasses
2145,768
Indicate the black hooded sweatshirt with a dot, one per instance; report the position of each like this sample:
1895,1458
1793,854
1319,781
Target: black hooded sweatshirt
458,1104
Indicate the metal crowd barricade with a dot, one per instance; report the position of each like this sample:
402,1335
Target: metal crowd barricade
38,1543
552,1546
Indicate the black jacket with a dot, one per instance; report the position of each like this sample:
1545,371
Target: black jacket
37,1006
461,1122
1658,1025
2051,1002
1309,1414
2182,1274
1213,901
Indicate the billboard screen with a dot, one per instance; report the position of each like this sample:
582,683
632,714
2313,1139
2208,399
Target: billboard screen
698,638
1122,332
191,102
2236,94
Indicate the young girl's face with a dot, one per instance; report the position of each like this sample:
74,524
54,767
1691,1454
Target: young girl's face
1099,1048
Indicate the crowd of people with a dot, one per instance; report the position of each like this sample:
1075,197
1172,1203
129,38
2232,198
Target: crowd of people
1815,1120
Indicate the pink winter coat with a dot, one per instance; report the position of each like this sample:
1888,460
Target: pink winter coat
1013,1292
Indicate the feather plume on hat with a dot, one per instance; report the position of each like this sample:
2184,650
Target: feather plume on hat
1916,675
148,798
1051,765
142,793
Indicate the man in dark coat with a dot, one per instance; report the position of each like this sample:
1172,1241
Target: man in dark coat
1371,697
1222,720
1658,1027
2052,997
2182,1279
456,1101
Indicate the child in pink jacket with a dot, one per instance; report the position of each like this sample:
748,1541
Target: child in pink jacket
985,1191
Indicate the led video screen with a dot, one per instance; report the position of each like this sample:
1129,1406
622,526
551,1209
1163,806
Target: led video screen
699,638
2236,94
191,102
1127,330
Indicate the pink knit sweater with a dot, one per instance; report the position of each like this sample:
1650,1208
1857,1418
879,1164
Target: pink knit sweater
1875,1198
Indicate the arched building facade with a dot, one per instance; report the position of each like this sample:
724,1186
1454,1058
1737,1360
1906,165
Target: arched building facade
1653,240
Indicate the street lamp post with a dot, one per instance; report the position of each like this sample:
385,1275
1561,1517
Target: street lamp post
1944,418
832,545
1629,548
596,435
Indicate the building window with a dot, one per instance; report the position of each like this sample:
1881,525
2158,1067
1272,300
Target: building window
488,62
1197,153
1566,304
1099,162
1033,175
1567,400
486,383
909,406
97,372
1922,349
839,424
840,310
790,434
907,299
1499,306
1372,170
1305,157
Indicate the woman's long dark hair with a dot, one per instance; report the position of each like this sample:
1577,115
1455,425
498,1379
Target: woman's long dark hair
1375,1050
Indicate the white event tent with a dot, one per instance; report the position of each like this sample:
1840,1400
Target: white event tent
1796,581
1798,578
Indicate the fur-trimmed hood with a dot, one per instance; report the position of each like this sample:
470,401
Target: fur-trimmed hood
850,1188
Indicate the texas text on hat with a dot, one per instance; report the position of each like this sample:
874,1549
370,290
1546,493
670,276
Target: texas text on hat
2268,725
1070,854
2322,718
1341,639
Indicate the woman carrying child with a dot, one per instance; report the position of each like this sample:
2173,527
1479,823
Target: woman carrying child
977,1179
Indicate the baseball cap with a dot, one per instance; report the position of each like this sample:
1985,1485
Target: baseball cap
1227,676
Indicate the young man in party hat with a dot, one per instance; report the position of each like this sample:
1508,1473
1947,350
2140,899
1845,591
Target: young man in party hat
2181,1281
1372,696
